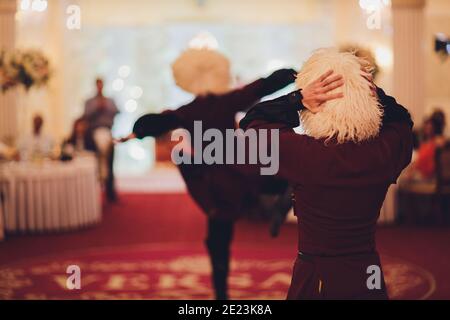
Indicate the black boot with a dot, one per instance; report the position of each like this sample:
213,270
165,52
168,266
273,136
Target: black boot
220,234
110,188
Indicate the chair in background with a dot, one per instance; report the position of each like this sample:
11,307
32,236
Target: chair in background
2,224
428,202
443,182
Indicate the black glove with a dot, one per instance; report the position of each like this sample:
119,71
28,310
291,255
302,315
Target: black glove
155,125
278,80
281,110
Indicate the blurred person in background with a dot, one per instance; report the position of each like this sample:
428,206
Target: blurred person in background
223,194
99,114
423,168
80,140
438,117
7,152
38,144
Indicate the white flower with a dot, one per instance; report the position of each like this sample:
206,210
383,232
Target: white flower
29,68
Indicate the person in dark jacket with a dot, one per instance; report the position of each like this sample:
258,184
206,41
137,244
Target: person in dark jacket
223,193
351,150
81,137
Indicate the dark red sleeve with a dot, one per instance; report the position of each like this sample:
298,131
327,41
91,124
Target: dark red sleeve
244,98
154,125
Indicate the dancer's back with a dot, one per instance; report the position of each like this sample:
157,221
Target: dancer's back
340,189
353,149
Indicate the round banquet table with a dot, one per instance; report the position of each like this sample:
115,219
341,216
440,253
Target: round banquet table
49,196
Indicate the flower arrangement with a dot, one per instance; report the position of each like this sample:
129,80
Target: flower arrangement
23,67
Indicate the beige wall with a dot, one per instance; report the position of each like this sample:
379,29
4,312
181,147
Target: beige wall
43,31
143,12
47,32
8,106
437,70
350,22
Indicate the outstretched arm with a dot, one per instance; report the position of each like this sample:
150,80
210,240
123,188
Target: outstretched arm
276,81
242,99
153,125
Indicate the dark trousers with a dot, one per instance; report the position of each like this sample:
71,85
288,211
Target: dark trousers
218,242
110,180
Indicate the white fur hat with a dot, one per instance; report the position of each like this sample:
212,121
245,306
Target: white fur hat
202,71
357,116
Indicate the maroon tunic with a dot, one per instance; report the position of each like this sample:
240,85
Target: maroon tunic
339,191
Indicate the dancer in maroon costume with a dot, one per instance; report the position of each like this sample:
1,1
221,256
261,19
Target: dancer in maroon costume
222,193
339,189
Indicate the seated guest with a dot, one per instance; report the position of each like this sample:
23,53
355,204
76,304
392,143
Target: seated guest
418,184
80,140
423,167
38,144
7,153
439,117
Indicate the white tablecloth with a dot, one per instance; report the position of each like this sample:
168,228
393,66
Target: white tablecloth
50,196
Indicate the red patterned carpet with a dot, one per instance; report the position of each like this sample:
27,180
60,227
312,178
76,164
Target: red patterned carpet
150,247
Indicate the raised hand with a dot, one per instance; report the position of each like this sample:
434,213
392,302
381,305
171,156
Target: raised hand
317,92
125,139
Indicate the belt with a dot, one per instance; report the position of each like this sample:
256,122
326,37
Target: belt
309,256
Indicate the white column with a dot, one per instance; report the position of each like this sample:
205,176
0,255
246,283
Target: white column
8,103
409,55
